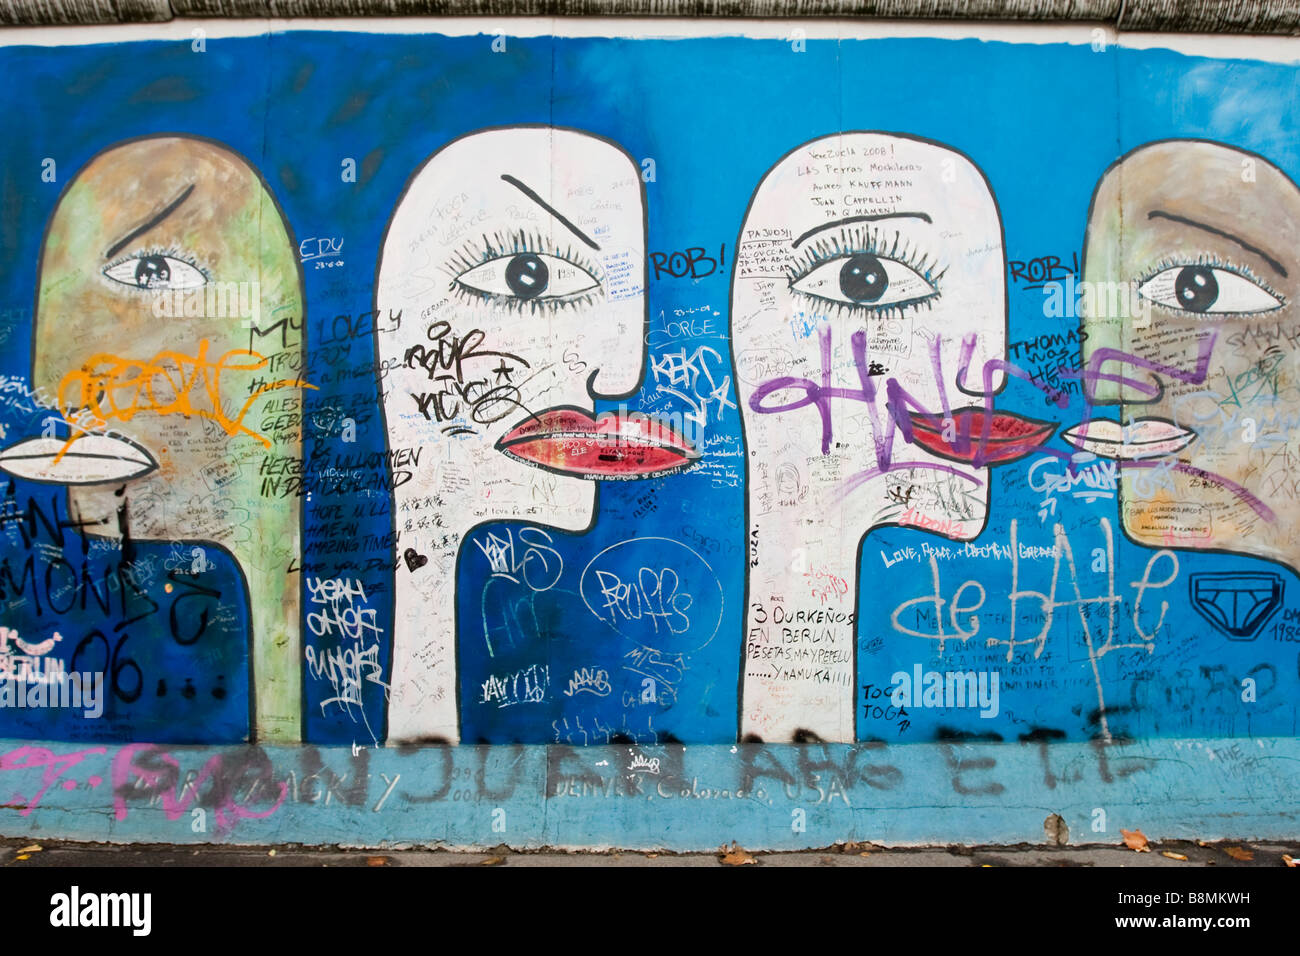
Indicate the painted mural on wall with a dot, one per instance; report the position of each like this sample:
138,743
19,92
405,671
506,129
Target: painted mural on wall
460,400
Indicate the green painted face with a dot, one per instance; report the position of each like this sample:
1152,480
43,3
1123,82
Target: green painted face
1198,241
160,260
169,335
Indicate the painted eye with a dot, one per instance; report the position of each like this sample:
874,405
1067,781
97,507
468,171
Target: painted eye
1208,290
156,272
528,276
863,279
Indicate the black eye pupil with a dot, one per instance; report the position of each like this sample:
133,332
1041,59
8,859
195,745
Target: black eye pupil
152,270
527,275
863,279
1196,288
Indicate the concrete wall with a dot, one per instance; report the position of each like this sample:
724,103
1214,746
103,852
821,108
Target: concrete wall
529,434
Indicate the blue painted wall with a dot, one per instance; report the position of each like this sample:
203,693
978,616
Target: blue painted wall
1043,121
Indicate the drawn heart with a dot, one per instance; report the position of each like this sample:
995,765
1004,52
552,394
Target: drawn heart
414,559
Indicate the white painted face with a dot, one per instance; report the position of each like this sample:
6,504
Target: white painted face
517,260
870,271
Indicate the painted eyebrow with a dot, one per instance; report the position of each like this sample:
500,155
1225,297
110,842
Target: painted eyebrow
846,221
541,202
1161,214
141,229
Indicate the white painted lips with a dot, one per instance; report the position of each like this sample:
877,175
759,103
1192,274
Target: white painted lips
1140,439
90,460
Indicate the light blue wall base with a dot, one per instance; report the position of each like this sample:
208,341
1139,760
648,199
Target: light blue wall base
673,798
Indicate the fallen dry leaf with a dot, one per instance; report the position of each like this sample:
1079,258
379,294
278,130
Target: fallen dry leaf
1289,861
865,853
1135,840
34,848
1173,856
736,856
1239,853
376,861
24,856
492,861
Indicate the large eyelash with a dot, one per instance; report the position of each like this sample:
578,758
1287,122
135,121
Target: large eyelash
1211,261
170,252
833,308
509,303
509,243
869,240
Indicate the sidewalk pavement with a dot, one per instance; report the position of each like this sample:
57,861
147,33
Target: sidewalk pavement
26,852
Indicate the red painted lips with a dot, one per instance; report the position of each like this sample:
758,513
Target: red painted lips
610,446
1010,436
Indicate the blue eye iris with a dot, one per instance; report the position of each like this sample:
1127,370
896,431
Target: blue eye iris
864,281
1196,288
156,271
515,276
863,278
1201,288
151,271
527,275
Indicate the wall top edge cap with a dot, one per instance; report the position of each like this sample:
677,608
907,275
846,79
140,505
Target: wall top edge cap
1183,16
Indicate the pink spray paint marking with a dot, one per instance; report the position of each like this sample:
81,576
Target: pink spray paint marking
126,770
34,758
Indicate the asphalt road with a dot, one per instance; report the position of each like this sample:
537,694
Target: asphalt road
26,852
